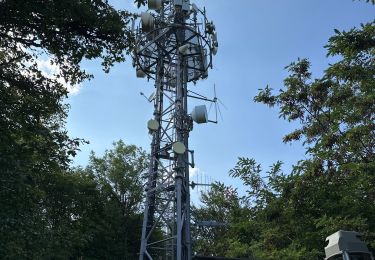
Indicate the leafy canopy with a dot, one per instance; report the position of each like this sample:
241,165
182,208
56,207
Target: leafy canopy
335,112
35,149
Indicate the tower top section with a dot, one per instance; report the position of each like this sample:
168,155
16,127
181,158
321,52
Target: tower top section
169,32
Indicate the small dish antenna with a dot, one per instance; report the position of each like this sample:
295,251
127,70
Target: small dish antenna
140,73
178,148
154,4
153,125
148,21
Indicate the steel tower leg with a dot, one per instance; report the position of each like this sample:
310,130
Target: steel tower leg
182,173
149,211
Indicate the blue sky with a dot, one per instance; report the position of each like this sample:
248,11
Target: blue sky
257,39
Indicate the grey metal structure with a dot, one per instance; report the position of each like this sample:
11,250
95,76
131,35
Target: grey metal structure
346,245
174,45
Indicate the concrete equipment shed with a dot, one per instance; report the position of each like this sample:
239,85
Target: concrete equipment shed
345,242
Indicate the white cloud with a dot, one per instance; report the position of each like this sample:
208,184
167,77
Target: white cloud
50,70
193,171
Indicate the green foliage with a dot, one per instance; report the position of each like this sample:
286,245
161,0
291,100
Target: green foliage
115,228
260,191
38,196
222,205
336,112
289,216
69,31
120,174
82,213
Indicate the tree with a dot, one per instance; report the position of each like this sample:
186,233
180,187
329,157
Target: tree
116,227
222,207
35,149
73,214
120,173
335,112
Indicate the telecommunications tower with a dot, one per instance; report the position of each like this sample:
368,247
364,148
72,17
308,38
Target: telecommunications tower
174,45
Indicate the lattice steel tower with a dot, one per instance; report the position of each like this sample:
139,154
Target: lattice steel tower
174,45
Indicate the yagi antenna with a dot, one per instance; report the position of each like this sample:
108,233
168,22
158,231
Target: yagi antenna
217,103
201,182
214,101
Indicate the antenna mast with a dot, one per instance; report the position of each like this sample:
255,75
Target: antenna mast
174,46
